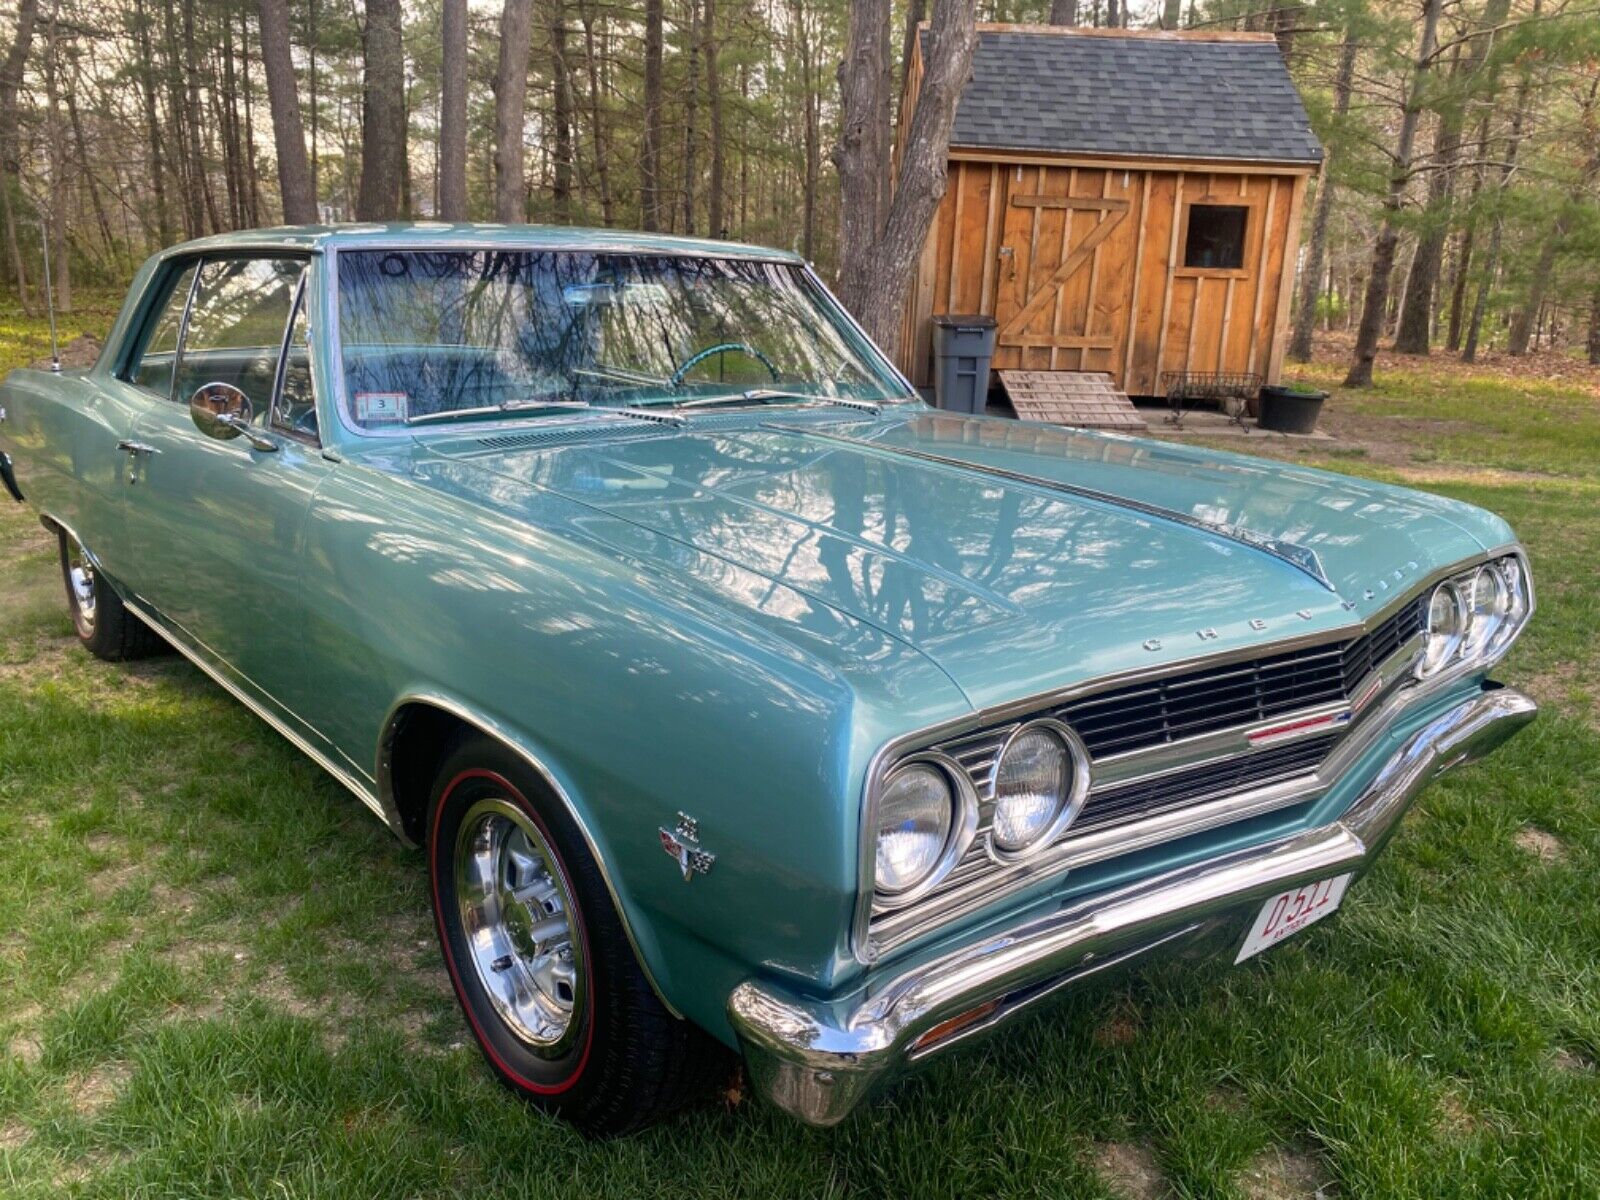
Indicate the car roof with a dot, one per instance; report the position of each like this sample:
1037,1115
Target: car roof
472,236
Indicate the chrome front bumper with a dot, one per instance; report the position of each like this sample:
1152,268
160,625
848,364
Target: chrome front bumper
818,1059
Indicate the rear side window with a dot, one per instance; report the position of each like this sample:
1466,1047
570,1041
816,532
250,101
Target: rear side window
153,368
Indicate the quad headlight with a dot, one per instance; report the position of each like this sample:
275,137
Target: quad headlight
925,818
1473,617
1041,780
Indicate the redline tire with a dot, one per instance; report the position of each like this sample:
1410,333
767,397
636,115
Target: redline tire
627,1062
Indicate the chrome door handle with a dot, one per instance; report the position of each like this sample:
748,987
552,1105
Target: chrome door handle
136,447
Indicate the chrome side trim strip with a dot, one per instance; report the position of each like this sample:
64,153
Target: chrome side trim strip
817,1058
1302,558
362,792
493,729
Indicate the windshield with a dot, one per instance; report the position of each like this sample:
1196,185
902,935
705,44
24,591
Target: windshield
437,336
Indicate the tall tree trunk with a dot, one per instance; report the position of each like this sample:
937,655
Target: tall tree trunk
57,191
252,173
87,168
316,98
1593,342
561,190
183,163
453,111
1461,271
715,223
917,13
191,76
1171,14
283,98
1416,317
1508,166
226,103
879,263
1372,312
602,156
10,167
691,97
510,110
811,132
147,93
650,146
383,121
1311,273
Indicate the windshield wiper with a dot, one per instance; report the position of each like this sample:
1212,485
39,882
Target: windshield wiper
517,406
765,395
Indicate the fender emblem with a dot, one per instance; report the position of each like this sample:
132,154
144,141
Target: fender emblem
683,844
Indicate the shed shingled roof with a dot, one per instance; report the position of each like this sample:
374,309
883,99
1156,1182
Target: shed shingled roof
1132,96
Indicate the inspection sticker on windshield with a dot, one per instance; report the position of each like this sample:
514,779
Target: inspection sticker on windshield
1289,912
375,408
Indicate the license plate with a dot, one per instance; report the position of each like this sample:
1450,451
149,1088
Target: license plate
1287,913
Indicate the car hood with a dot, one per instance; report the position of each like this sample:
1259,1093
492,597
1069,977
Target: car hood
1020,558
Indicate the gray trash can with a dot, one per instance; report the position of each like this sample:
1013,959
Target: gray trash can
963,344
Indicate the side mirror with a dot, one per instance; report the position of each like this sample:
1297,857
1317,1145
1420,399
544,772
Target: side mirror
222,411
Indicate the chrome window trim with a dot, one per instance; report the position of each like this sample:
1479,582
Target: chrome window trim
1193,819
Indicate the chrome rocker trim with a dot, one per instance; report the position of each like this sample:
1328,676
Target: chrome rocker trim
818,1059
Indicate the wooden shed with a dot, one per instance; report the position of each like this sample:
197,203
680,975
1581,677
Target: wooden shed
1119,201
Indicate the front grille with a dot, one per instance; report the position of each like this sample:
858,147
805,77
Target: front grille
1241,693
1147,715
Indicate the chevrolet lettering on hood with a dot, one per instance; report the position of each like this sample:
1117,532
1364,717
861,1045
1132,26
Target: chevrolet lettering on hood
737,702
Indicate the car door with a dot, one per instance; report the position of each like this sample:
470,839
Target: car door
218,522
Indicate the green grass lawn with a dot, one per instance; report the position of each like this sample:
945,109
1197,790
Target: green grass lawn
218,978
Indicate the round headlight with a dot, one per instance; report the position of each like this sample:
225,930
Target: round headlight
1487,604
916,821
1447,625
1036,788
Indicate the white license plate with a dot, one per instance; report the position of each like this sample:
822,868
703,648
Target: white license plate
1287,913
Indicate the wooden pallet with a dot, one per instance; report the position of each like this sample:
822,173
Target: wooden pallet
1087,399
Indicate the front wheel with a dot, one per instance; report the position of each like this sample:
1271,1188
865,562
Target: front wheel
102,622
539,958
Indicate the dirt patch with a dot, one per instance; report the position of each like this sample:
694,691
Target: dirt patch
1546,847
81,351
1566,685
1571,1062
1228,1100
13,1136
27,1048
1281,1174
94,1091
1455,1118
1122,1029
1129,1171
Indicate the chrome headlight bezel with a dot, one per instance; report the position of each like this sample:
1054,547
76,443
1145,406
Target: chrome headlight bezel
1068,804
1485,631
959,833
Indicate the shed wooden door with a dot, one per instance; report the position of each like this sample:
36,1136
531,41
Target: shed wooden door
1054,300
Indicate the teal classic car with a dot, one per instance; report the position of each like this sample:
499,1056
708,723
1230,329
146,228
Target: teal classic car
737,699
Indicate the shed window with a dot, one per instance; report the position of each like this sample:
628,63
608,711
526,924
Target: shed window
1216,237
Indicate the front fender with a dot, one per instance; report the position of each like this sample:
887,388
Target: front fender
638,694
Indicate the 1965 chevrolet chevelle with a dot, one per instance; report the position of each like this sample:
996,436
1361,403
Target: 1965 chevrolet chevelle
735,695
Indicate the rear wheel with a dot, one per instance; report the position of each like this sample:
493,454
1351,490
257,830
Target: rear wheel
538,956
102,622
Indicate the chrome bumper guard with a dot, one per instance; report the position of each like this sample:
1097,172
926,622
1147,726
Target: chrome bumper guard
818,1059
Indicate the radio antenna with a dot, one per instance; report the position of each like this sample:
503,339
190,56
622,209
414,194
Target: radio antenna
49,297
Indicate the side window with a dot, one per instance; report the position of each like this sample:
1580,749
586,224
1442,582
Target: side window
235,329
153,368
296,409
1215,241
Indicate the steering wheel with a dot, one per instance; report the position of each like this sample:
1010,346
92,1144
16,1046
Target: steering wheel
700,356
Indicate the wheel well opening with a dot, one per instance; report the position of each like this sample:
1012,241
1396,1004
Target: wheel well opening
419,739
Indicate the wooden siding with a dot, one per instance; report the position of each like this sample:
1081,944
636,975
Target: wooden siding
1080,263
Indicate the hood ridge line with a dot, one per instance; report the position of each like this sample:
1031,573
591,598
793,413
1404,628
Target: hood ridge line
1302,558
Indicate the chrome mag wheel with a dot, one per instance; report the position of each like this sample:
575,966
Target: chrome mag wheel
80,586
517,917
